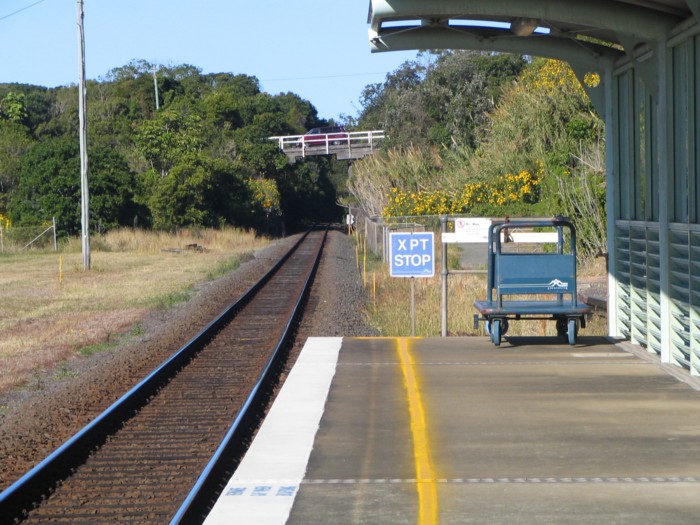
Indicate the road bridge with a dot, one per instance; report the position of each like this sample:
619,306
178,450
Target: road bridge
645,58
357,145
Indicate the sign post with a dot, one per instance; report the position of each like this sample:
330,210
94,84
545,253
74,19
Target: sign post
412,254
473,230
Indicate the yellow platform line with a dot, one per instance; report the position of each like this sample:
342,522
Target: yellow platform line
425,473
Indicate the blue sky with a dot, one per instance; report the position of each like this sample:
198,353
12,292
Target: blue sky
317,49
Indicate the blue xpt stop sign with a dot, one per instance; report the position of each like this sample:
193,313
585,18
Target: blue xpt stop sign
412,254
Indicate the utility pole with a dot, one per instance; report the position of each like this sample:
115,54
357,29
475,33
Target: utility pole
82,118
155,84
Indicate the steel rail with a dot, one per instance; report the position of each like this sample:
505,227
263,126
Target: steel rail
207,488
27,492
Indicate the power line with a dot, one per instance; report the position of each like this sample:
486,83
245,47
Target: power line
322,77
20,10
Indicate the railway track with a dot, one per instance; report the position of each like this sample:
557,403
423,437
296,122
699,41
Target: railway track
159,453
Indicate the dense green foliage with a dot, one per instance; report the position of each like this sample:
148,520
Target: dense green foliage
476,133
485,135
442,98
48,186
197,159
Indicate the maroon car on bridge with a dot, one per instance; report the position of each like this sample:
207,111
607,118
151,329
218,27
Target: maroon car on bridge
331,135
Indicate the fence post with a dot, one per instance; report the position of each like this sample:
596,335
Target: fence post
443,276
413,306
55,243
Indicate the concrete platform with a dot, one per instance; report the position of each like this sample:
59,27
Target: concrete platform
456,430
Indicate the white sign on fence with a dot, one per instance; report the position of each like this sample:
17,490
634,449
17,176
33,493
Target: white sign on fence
469,230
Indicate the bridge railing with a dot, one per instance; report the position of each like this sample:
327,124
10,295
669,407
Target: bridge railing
356,145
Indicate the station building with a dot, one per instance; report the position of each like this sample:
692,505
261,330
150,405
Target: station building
645,57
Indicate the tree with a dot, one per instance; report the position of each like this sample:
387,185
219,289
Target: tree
167,138
396,106
112,191
461,89
440,99
49,186
199,192
36,103
12,108
14,143
299,115
191,157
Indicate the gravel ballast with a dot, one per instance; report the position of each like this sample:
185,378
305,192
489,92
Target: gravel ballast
35,421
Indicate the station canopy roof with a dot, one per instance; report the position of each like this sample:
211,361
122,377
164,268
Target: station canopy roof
590,33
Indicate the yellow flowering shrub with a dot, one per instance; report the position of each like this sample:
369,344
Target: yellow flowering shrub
553,77
504,190
592,79
5,221
265,194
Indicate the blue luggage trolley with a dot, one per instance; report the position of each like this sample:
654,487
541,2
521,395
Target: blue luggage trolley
544,283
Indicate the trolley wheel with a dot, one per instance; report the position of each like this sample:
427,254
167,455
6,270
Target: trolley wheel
561,327
573,330
504,327
496,332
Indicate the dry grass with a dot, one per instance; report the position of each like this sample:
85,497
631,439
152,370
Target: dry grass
390,307
52,310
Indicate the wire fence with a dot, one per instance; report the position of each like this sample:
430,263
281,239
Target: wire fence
377,229
16,239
